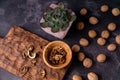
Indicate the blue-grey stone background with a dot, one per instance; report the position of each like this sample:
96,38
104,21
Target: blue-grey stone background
27,14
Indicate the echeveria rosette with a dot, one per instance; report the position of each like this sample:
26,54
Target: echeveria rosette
58,18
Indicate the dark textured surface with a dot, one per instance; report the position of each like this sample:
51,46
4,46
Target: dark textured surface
27,13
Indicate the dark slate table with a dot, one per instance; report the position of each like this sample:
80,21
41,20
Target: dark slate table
27,13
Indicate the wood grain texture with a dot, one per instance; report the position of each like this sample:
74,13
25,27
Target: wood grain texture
11,49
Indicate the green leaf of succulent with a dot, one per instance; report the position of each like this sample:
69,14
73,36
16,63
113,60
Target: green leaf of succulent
44,24
58,18
51,24
55,29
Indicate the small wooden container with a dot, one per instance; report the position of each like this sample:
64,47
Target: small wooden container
50,46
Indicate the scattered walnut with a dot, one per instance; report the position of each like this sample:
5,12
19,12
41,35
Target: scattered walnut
101,41
75,48
111,47
111,26
115,11
92,33
93,20
105,34
104,8
117,39
76,77
80,26
87,62
81,56
92,76
84,42
83,11
42,73
101,57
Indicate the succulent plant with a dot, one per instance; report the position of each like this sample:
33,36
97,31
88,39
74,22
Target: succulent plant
58,18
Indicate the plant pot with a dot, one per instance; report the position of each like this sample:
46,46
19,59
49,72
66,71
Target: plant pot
61,33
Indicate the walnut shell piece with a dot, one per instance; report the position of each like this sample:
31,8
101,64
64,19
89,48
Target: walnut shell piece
23,70
31,55
31,48
42,73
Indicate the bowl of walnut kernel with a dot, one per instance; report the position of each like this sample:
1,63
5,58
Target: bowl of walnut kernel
57,54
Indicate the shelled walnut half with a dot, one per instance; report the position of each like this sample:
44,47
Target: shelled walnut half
42,73
23,70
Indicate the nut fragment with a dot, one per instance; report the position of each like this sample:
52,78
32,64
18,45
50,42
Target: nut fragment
84,42
83,11
23,70
104,8
75,48
80,26
31,55
115,11
101,57
81,56
31,48
57,55
24,55
117,39
105,34
76,77
93,20
101,41
42,73
111,47
92,33
33,61
92,76
111,26
87,62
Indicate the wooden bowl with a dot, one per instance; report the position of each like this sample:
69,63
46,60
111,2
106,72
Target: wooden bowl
50,46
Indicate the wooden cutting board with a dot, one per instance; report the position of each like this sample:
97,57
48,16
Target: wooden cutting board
14,44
